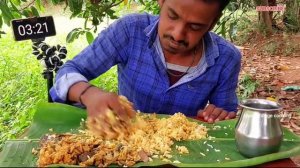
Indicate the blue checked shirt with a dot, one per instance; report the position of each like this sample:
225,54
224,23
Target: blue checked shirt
132,44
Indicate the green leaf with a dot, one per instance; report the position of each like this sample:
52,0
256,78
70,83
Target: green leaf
75,6
39,5
55,2
27,12
86,14
223,29
1,21
34,11
64,118
142,2
13,147
16,2
72,35
15,10
89,37
6,13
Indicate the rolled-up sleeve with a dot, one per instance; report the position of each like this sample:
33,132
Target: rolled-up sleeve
61,87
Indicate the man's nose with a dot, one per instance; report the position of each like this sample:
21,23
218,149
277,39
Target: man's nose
179,33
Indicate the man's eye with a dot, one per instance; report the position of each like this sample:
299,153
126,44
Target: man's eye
195,27
172,16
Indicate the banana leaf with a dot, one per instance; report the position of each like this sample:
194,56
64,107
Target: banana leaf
219,150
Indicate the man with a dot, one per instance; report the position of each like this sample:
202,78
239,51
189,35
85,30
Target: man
166,64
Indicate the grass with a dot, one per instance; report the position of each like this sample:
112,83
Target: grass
22,86
247,86
271,48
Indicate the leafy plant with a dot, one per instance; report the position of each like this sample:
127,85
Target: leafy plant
227,26
298,110
247,86
290,48
150,6
271,47
22,85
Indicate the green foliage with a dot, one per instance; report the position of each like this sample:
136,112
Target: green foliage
247,86
292,16
93,11
108,81
235,12
22,85
150,6
15,9
271,47
290,48
243,31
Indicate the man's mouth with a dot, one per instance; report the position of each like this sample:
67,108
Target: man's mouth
175,45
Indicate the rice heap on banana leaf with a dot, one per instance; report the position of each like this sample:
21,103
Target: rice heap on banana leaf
144,138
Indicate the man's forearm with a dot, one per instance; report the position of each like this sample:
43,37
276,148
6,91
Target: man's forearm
76,90
81,91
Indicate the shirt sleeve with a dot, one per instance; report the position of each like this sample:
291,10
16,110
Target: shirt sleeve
107,50
61,87
224,95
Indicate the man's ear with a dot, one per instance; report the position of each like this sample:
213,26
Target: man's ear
160,3
215,21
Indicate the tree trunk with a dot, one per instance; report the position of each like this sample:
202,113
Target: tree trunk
265,19
272,3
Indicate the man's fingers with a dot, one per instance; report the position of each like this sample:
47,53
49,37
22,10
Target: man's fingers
95,112
200,114
128,106
215,114
222,116
118,109
208,110
230,115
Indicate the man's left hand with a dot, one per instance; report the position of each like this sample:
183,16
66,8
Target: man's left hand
213,114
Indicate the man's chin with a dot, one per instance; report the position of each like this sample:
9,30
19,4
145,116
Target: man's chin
172,50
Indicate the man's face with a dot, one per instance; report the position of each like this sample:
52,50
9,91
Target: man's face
184,22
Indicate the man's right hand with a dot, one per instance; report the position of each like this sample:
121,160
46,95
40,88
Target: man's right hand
99,102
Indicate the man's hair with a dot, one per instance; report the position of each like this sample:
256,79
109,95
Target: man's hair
223,3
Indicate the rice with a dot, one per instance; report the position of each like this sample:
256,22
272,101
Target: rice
146,137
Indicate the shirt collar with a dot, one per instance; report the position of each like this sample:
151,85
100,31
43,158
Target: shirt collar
151,30
211,47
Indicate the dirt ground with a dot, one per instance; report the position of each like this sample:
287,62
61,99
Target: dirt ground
275,63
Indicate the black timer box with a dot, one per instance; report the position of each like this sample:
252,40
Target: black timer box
33,28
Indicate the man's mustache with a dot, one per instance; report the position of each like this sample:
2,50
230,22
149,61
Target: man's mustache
180,42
